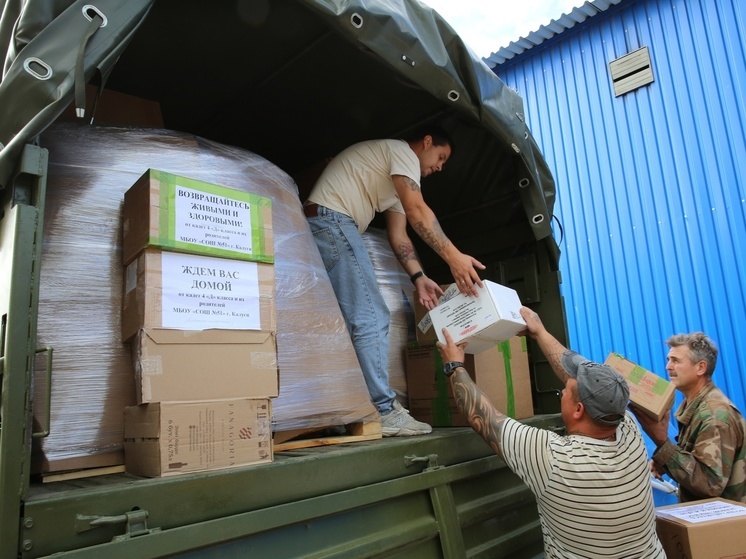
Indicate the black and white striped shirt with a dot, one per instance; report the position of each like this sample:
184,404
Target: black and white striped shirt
594,497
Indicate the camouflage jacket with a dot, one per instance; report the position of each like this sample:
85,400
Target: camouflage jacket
709,459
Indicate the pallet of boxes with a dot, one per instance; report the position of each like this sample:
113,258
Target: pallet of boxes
497,359
199,313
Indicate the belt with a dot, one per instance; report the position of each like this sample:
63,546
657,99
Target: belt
311,210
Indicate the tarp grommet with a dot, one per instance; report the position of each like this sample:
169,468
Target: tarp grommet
356,20
515,148
453,95
523,183
538,218
27,65
96,12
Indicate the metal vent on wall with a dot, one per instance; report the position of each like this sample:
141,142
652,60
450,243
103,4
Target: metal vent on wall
631,71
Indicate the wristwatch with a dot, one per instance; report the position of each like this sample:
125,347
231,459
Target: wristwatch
450,367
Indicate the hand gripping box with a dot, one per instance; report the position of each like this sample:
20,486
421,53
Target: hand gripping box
167,438
424,331
647,391
708,529
180,214
492,316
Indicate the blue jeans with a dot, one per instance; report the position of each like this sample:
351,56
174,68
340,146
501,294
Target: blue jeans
354,281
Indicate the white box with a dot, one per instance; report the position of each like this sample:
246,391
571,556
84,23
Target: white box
491,317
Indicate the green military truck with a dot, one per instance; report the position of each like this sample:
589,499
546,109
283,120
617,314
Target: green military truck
294,81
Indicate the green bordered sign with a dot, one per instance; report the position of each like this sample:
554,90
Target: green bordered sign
177,213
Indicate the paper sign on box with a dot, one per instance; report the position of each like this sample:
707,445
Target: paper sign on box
181,214
707,529
192,292
490,317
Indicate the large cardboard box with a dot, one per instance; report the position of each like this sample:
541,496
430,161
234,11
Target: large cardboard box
176,213
490,317
502,372
191,292
167,438
647,391
708,529
204,365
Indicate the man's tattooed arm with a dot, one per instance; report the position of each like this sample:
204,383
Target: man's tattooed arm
433,236
482,415
405,252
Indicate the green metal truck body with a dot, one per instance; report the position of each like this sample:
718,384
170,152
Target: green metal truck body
295,81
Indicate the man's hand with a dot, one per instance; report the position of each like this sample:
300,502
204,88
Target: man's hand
656,430
464,271
428,292
656,471
534,325
451,351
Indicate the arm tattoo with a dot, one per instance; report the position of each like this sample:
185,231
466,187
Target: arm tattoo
554,356
413,186
482,415
433,237
406,252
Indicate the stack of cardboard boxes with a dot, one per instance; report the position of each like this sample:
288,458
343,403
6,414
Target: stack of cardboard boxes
496,358
199,313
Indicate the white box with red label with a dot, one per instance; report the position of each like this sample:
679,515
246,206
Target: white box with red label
491,317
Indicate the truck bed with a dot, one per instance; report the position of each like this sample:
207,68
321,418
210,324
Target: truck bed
427,496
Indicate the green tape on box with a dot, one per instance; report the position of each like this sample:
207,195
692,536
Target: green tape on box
261,250
660,386
441,409
505,349
636,375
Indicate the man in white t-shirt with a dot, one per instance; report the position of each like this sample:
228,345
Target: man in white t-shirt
366,178
592,486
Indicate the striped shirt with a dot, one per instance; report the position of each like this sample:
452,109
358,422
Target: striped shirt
594,497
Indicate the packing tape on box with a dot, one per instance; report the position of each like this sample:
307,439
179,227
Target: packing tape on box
504,348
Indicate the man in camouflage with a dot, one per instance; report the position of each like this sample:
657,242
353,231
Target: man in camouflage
709,458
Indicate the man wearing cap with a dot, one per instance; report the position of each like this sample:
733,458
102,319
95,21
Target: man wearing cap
592,485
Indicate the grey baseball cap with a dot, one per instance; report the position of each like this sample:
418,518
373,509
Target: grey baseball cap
603,391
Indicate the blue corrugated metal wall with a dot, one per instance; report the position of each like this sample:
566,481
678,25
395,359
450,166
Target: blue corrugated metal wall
651,186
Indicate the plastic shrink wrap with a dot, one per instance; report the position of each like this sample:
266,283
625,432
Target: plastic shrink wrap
90,169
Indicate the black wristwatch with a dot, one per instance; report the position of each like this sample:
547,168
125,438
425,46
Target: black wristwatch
450,367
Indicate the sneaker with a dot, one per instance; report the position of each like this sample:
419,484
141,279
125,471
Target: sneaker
398,423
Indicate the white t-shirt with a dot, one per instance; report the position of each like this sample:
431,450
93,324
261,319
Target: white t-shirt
594,497
358,181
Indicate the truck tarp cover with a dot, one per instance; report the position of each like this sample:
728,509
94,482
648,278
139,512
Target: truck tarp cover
295,81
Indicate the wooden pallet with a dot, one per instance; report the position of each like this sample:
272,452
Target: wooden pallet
304,438
78,474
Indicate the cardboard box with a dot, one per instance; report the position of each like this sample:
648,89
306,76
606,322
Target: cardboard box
647,391
180,214
204,365
167,438
191,292
440,413
493,316
707,529
502,372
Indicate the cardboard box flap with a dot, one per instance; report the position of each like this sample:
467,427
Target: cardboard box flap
213,336
141,422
